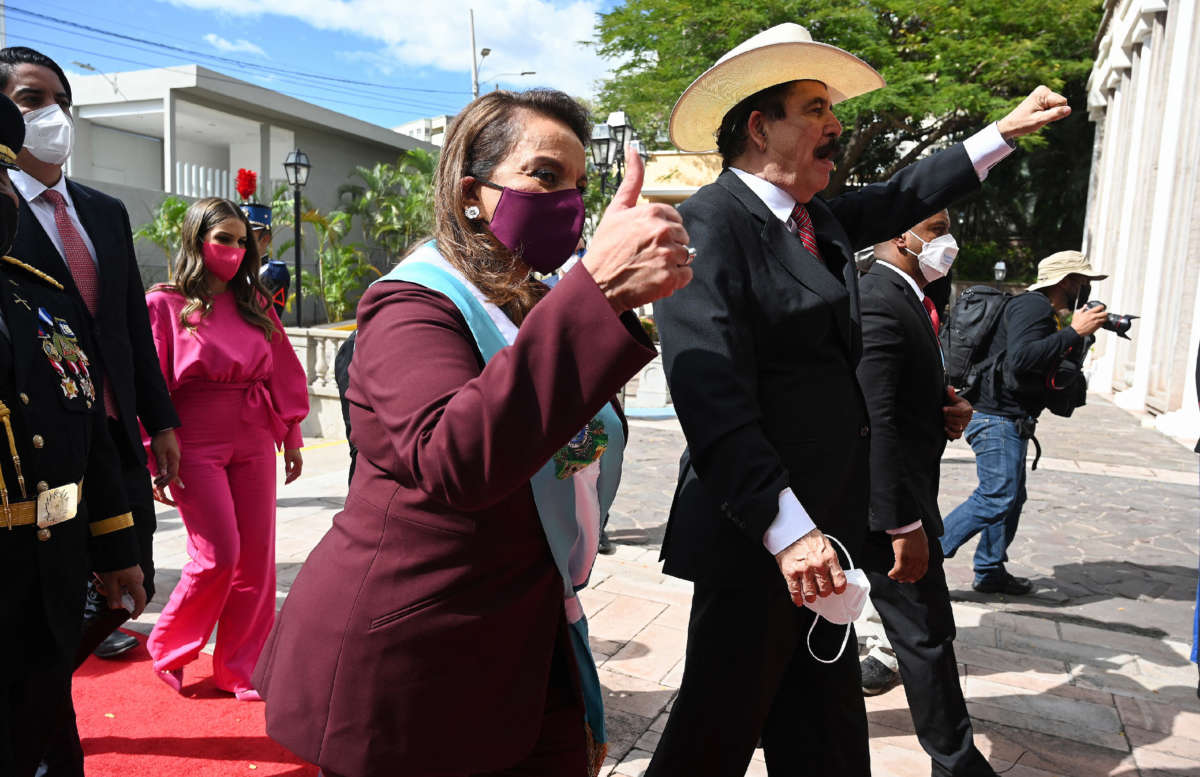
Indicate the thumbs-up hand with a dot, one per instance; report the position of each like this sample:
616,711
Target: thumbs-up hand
639,252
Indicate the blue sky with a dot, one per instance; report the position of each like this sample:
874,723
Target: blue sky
418,49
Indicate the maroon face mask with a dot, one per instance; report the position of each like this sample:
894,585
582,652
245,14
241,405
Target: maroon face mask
542,228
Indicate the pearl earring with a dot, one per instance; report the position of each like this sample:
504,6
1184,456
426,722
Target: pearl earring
471,211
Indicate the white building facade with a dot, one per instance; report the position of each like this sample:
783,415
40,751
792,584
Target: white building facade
187,130
1143,218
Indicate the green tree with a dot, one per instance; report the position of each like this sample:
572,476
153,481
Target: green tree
164,228
340,266
950,65
393,202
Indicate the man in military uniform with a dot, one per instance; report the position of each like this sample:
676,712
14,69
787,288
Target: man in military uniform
274,272
55,529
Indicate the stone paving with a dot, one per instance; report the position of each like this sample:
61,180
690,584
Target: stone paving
1089,676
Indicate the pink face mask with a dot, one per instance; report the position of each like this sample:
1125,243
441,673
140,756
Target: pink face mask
223,261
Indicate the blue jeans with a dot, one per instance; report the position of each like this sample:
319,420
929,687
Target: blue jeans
994,508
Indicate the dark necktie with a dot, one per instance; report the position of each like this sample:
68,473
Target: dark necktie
802,225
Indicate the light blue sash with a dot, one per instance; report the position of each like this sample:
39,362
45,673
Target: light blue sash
554,495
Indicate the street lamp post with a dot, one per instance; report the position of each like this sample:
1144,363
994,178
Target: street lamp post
475,63
1000,270
608,148
496,82
600,145
296,167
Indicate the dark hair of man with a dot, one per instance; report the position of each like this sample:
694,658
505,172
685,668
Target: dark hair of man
477,141
734,132
20,55
191,276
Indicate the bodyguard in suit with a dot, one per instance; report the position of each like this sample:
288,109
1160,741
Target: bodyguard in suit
913,412
53,530
760,351
82,236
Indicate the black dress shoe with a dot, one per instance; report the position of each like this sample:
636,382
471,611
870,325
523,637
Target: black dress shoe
1009,584
876,677
116,644
605,546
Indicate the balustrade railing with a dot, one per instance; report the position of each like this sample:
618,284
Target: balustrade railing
317,349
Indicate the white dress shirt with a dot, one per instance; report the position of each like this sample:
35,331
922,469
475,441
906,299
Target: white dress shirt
43,210
985,149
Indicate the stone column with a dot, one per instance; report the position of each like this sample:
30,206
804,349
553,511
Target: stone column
1179,93
264,164
169,182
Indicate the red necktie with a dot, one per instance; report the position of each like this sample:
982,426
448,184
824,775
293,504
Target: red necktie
83,270
931,309
803,226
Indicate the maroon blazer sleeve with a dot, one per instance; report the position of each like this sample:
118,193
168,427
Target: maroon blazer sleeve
468,435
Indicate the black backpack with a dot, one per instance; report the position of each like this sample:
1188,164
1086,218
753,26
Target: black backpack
967,337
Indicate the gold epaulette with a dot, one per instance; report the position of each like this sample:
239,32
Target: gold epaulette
33,271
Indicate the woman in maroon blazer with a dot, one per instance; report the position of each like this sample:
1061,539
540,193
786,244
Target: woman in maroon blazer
426,634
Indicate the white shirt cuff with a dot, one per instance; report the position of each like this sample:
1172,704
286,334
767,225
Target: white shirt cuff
987,147
790,524
905,529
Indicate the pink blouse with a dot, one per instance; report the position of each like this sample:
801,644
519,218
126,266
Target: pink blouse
225,348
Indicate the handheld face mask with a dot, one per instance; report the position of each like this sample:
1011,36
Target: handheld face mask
936,256
49,134
843,608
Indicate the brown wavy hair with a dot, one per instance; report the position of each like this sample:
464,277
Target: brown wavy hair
478,139
191,276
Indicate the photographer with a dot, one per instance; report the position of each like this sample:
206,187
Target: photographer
1036,349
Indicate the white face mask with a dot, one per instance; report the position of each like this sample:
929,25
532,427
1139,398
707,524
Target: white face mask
843,608
49,134
936,256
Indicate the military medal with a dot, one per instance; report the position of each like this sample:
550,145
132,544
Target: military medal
75,358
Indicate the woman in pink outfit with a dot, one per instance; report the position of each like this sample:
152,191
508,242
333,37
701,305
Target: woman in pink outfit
240,392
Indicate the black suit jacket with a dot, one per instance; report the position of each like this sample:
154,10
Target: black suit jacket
760,351
121,324
904,380
60,438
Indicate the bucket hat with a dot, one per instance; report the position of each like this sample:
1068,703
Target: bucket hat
1055,267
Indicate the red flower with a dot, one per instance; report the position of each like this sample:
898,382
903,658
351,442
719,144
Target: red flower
247,183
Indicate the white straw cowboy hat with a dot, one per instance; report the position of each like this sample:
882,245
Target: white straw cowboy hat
1055,267
783,53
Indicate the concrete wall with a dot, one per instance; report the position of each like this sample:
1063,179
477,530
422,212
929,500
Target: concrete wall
118,157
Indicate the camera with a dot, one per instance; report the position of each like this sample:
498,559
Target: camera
1115,322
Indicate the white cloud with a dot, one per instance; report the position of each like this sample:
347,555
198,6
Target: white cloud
540,35
240,46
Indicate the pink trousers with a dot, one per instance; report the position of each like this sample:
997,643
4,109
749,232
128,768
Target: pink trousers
228,506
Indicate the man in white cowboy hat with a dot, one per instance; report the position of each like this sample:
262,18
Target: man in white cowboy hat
760,352
1030,344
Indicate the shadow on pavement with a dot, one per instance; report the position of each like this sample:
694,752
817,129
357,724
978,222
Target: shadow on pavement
1078,708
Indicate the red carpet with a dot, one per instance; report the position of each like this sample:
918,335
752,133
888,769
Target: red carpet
133,725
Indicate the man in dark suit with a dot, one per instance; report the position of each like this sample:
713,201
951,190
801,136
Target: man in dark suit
760,351
49,539
913,412
82,236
